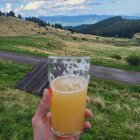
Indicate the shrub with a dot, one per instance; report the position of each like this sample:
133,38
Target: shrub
97,38
46,28
133,60
74,38
116,56
85,39
49,43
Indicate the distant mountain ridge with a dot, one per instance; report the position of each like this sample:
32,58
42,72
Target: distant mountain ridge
113,27
79,19
79,27
74,20
93,28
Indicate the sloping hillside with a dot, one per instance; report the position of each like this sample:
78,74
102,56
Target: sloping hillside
114,27
21,36
137,36
93,28
11,26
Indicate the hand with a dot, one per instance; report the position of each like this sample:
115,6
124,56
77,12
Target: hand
41,121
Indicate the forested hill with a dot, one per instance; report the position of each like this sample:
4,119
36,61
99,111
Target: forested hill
114,27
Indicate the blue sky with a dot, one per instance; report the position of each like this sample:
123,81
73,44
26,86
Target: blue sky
71,7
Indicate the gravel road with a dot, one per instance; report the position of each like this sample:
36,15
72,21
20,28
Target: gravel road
123,76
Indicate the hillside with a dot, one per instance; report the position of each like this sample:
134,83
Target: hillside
76,28
114,27
10,26
26,37
102,24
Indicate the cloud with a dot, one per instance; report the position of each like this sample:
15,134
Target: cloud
70,7
33,5
20,8
8,7
74,2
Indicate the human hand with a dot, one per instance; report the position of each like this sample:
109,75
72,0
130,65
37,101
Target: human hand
41,121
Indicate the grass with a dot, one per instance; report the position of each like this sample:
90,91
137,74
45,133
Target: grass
116,108
100,51
28,38
10,73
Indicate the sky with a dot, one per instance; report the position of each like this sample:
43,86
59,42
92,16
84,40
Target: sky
71,7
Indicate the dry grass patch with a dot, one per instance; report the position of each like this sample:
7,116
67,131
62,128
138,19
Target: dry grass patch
98,101
100,117
126,107
118,107
131,127
35,50
11,26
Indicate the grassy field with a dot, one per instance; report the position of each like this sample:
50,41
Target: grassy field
28,38
100,51
116,108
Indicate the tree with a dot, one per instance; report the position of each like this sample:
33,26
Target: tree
1,13
58,26
37,20
19,16
72,31
97,38
11,14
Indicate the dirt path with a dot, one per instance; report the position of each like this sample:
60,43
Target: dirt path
112,74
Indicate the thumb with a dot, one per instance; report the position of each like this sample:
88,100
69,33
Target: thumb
44,104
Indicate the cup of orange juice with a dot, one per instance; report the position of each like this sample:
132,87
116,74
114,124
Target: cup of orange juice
68,78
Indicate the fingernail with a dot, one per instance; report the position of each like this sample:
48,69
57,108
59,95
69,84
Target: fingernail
50,91
91,113
49,114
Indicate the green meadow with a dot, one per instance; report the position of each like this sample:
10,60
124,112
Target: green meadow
110,52
116,108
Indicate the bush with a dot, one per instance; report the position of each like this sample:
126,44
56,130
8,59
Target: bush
44,33
49,43
133,60
74,38
116,56
85,39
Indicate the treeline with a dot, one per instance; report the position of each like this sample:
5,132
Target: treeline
10,14
42,22
125,28
32,19
38,21
114,27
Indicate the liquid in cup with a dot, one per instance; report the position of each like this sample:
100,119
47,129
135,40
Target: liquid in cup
68,105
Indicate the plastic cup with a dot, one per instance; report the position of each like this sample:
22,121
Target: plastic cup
68,77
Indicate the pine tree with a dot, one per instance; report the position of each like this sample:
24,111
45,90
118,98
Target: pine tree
1,13
19,16
11,14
